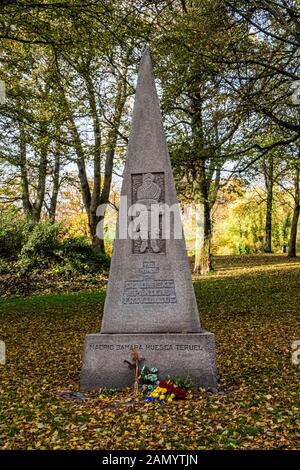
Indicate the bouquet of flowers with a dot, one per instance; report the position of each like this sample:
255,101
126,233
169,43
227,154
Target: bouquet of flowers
166,392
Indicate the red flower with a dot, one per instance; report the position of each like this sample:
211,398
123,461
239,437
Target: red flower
179,392
168,385
163,384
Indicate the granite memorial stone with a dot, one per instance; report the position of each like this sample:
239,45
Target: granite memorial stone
150,301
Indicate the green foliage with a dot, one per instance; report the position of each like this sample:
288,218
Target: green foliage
11,234
243,249
107,392
4,266
26,247
149,378
182,382
240,228
40,244
76,255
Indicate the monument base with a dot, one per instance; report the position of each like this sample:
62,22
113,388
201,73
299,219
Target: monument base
185,355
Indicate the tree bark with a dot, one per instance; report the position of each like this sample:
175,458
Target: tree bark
292,253
269,183
55,188
96,191
80,160
199,235
27,207
201,186
203,262
42,174
112,143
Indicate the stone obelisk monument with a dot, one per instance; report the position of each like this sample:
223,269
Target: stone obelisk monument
150,301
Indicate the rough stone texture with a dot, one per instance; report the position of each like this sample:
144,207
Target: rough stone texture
148,153
150,297
190,355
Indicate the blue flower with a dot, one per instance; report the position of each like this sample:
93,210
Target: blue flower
149,399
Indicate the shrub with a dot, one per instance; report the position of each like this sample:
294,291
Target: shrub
4,266
76,255
11,234
40,243
38,246
243,249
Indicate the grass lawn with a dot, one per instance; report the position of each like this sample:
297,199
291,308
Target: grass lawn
252,304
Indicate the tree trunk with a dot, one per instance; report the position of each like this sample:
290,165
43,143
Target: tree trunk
27,207
269,182
201,185
55,189
42,174
95,195
203,261
203,264
199,235
112,143
83,179
292,253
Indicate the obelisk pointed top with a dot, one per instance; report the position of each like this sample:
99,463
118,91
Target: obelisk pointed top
146,50
145,67
146,54
147,145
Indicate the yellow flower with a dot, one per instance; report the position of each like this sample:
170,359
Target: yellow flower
170,399
164,390
162,397
172,395
154,394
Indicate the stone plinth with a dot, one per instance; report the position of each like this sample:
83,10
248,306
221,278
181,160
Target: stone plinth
188,355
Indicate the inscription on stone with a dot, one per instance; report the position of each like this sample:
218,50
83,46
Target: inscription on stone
146,347
149,290
148,189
